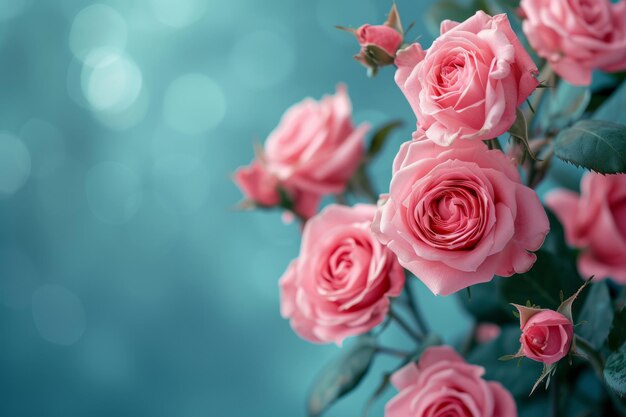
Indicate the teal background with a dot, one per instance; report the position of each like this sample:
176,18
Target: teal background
129,283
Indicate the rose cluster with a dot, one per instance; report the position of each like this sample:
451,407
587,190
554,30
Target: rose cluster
459,210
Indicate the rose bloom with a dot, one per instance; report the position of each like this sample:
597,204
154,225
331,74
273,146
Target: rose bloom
577,36
442,384
468,84
385,37
595,221
316,147
314,151
455,216
546,334
340,284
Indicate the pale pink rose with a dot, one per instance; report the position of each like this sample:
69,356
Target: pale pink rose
595,221
486,332
456,216
442,384
316,148
468,84
257,184
382,36
577,36
546,334
340,284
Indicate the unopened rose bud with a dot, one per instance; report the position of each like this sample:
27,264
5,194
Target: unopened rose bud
379,43
257,185
546,334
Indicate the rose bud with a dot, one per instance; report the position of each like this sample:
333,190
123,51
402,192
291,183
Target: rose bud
379,43
546,334
257,185
595,221
486,332
443,384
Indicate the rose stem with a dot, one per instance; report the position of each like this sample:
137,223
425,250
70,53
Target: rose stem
392,352
417,337
415,309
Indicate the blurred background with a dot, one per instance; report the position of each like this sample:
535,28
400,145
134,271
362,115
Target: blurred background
129,283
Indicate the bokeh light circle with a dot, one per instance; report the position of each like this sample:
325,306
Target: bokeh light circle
263,59
111,81
58,314
113,191
193,104
97,26
15,164
178,13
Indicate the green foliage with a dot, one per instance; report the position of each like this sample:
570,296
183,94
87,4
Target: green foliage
342,375
486,304
517,379
612,109
615,371
544,282
617,336
380,137
566,104
596,145
596,315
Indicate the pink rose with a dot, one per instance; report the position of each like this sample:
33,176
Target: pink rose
386,38
595,221
546,334
316,148
577,36
442,384
468,84
257,184
340,284
455,216
486,332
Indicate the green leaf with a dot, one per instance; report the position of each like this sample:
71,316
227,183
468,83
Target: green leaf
555,241
518,380
612,109
566,104
381,136
615,371
596,315
617,336
342,375
486,305
542,285
596,145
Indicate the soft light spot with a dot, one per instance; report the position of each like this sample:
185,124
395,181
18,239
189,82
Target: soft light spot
263,59
193,104
97,26
113,192
46,145
15,164
10,9
111,81
58,314
178,13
